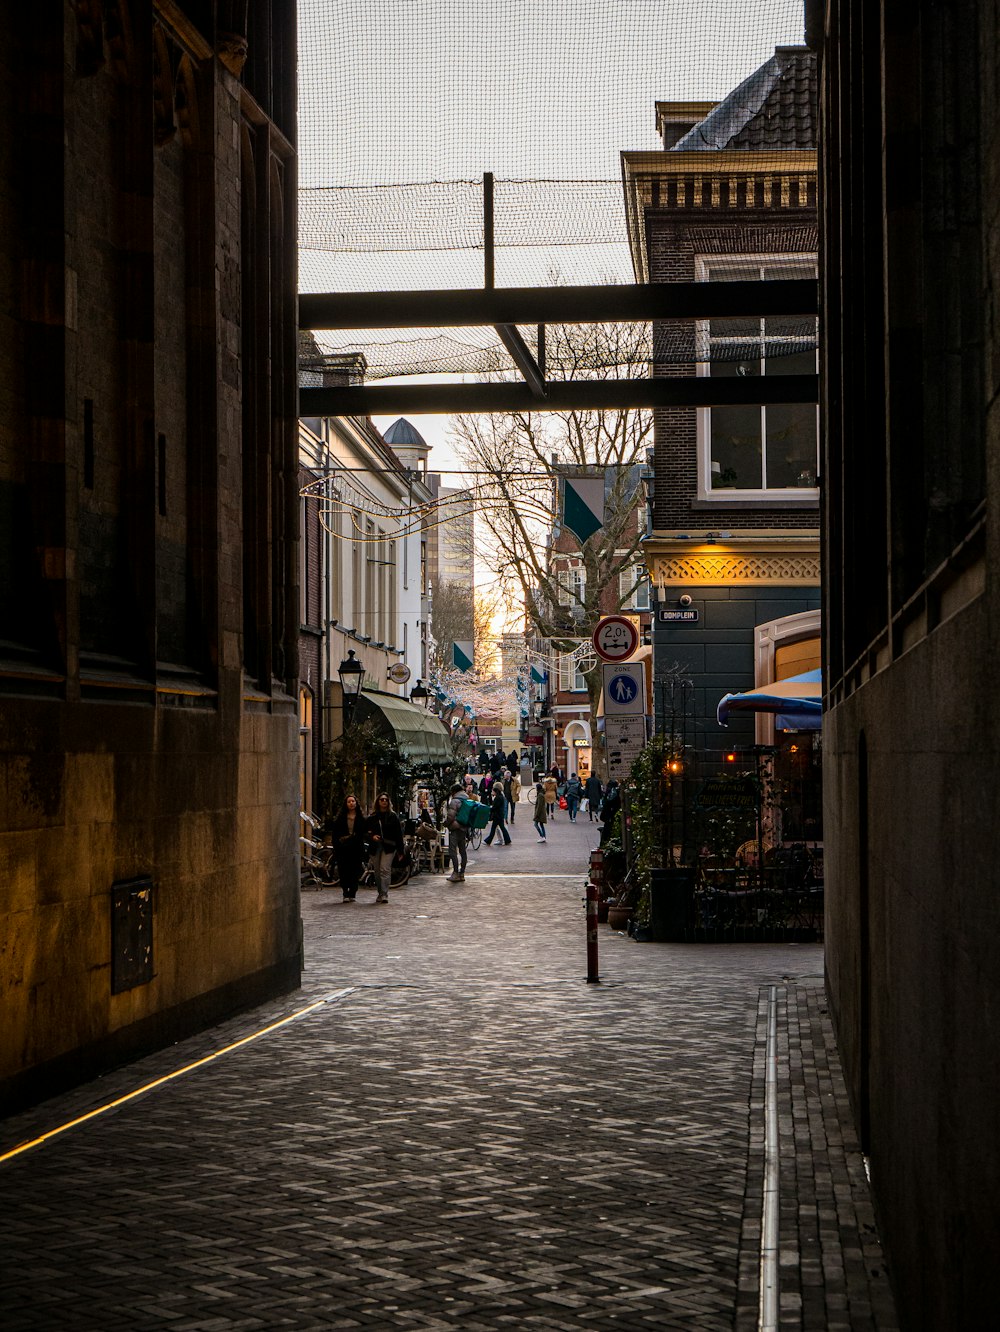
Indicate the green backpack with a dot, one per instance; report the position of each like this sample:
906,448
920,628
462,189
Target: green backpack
465,817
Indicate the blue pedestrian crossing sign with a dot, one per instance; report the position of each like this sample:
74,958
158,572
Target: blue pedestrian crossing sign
625,689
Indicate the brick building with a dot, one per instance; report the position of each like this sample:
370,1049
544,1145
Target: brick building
735,504
148,543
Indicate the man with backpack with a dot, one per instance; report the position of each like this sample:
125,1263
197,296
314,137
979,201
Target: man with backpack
574,790
458,836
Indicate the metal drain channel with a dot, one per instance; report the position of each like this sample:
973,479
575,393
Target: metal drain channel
767,1316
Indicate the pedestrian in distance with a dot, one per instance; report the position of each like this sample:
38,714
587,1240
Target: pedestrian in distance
498,815
539,817
458,837
385,835
574,791
513,794
551,788
349,846
610,806
594,791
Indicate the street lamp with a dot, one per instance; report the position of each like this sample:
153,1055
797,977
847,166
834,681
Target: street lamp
419,695
352,675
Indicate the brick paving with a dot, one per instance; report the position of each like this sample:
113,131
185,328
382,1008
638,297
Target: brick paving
461,1133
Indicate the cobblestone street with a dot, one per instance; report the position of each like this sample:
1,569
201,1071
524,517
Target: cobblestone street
454,1130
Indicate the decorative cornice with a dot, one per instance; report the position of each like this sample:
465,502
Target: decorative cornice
755,562
741,183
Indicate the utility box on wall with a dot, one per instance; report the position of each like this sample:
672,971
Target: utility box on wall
131,933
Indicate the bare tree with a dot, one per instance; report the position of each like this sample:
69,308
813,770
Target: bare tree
522,458
452,621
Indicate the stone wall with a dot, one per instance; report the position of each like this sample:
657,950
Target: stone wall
131,750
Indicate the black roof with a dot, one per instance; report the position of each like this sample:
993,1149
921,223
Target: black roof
775,108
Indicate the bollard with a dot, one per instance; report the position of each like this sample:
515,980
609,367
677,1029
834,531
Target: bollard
593,895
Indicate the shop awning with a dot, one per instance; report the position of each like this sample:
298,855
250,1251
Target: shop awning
797,702
421,737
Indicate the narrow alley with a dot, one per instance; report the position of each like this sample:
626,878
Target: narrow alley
451,1129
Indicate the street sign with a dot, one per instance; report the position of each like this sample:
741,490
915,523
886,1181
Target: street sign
625,739
677,616
625,732
615,638
625,689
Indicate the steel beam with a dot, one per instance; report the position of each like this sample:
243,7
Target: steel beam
562,395
557,305
520,353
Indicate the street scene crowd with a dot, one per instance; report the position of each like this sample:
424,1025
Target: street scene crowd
360,842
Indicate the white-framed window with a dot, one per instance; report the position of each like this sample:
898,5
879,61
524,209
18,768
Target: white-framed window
571,678
633,588
571,582
751,450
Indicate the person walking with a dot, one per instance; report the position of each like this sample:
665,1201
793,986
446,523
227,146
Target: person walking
593,790
385,834
573,793
458,837
610,806
498,812
349,847
513,794
551,788
540,818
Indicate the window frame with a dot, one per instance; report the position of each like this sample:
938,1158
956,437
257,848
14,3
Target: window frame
764,494
638,579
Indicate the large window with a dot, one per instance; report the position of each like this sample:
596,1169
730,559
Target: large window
633,588
753,449
571,678
571,583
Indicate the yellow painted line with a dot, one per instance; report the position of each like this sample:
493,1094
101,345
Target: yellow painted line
169,1077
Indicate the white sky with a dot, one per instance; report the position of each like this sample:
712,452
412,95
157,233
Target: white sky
397,91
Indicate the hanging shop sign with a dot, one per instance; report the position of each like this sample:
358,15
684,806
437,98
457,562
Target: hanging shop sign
399,673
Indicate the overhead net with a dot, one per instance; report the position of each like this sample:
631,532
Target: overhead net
404,107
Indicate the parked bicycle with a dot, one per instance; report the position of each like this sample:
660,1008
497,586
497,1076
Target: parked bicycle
318,865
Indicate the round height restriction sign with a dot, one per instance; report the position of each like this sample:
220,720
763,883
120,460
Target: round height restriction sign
615,638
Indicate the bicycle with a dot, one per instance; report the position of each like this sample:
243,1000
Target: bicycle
399,874
318,865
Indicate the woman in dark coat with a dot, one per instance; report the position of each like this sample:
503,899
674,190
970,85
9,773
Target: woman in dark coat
385,835
610,806
349,846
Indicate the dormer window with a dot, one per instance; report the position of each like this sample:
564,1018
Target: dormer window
749,451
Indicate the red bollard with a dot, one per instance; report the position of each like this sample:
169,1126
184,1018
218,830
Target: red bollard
593,896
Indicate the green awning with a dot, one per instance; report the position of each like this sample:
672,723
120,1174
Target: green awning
421,737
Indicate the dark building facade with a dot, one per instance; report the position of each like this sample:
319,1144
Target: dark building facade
734,511
910,142
148,533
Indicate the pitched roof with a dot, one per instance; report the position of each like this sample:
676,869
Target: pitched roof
775,108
